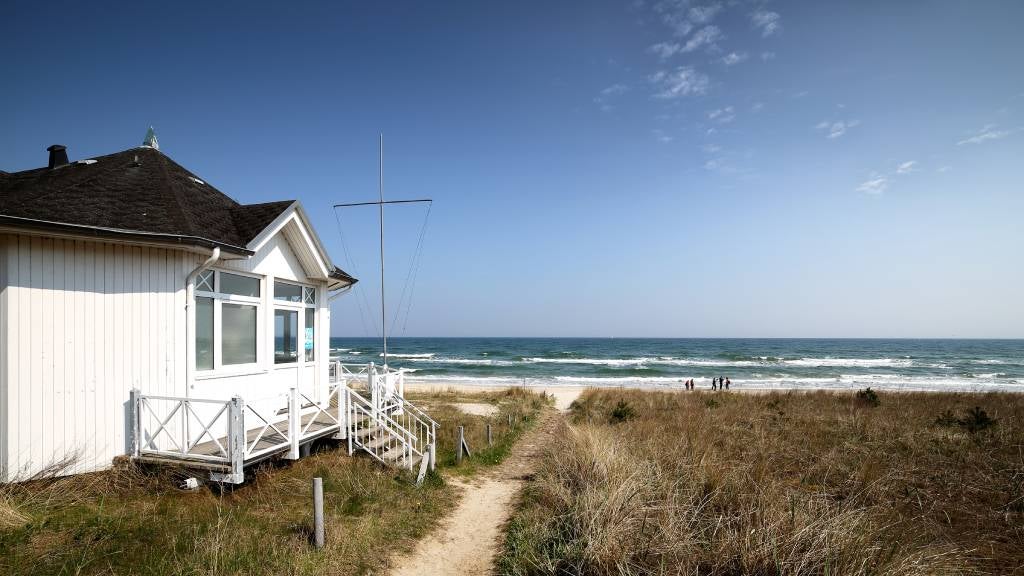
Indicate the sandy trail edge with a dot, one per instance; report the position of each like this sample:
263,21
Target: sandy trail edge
564,395
467,541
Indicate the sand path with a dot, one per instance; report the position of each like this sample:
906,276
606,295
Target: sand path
468,541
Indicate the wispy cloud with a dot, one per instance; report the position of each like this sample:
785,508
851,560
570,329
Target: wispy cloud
665,50
879,183
723,115
757,106
704,14
683,81
607,96
734,58
874,185
766,56
661,136
835,129
907,167
682,17
944,169
989,132
769,23
705,37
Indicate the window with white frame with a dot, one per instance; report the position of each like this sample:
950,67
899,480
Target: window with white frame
227,319
294,323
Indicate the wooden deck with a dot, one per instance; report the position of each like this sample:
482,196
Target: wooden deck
270,444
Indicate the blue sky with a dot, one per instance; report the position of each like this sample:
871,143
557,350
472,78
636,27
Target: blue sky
657,168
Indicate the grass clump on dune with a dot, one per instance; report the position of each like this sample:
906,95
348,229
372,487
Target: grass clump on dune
781,483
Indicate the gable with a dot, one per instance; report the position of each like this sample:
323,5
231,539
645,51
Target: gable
293,227
276,257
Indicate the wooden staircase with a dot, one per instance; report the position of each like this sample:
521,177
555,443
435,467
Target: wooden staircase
388,427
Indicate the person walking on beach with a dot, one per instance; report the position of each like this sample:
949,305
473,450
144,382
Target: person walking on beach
727,382
714,383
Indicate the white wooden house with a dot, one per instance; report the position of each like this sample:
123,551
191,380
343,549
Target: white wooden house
145,313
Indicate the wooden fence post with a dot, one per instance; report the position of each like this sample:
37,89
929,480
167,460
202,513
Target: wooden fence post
489,441
318,512
459,444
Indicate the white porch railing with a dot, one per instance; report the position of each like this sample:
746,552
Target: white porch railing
225,436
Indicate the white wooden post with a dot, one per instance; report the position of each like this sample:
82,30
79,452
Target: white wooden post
342,410
348,419
134,399
294,424
433,446
236,433
371,379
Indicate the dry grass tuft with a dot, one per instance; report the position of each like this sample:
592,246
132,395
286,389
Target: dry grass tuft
790,483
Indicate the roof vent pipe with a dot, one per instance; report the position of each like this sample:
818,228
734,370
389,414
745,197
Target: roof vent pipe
58,155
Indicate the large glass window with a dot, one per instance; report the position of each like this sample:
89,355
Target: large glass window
310,341
204,333
239,285
227,319
238,334
287,292
286,334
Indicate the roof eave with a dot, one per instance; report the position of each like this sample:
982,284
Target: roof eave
100,232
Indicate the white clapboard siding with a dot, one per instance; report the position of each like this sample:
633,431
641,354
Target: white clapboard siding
85,322
82,322
4,366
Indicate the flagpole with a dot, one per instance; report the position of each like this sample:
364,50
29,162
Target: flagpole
380,190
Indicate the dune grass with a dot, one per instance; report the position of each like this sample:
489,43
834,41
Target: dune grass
136,521
781,483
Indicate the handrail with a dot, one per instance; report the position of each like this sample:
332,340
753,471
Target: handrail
419,411
383,416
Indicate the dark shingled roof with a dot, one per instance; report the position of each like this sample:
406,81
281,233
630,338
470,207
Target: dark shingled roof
139,193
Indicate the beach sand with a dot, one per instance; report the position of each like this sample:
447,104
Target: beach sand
564,395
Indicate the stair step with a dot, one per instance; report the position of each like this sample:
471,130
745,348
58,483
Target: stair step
379,442
364,432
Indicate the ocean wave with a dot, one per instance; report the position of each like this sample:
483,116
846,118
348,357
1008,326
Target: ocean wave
592,361
889,382
850,362
409,356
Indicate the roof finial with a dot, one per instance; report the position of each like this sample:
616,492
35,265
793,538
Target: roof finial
150,139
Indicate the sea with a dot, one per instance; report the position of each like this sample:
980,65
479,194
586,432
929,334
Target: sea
903,364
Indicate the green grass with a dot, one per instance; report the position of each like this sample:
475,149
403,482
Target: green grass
134,521
781,483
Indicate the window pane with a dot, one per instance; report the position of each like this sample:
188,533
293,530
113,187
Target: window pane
204,281
309,296
204,334
238,334
239,285
286,332
310,334
287,292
